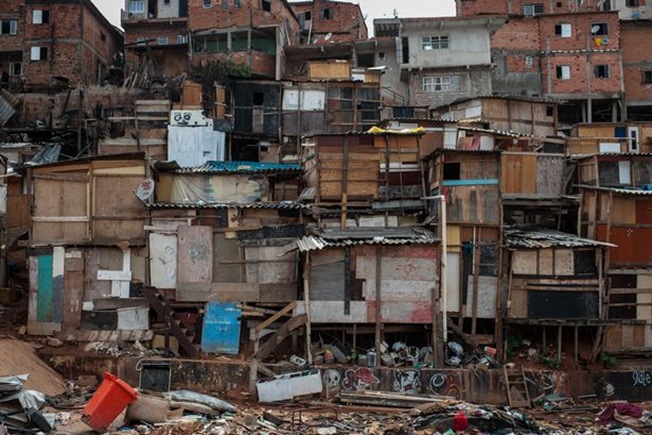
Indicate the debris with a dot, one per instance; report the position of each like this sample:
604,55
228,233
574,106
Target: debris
289,386
150,409
53,342
201,399
19,357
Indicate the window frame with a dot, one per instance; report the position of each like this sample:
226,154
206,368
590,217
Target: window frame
208,4
133,10
533,9
42,53
13,27
646,77
606,71
41,16
12,66
436,83
435,42
559,30
559,72
602,31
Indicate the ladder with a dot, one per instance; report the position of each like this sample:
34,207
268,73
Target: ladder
516,386
184,333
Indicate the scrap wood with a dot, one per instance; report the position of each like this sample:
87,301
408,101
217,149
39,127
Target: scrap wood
431,408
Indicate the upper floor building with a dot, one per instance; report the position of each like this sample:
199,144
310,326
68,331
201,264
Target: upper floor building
627,9
327,21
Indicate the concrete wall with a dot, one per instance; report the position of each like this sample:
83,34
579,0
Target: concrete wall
467,44
466,83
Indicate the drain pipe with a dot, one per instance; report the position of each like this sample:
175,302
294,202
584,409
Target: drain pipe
443,278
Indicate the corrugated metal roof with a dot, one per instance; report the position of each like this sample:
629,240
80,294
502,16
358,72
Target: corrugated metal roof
283,205
367,236
541,238
497,132
238,167
632,191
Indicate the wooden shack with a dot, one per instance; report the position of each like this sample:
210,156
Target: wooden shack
608,137
509,114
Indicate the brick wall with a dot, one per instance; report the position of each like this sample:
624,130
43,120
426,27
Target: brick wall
248,14
468,83
637,58
260,63
581,81
80,45
581,35
346,22
467,8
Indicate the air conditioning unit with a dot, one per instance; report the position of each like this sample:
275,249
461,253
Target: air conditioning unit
189,118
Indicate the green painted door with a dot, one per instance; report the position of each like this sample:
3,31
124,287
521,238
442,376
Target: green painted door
44,289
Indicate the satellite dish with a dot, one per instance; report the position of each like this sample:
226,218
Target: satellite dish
595,29
145,189
328,36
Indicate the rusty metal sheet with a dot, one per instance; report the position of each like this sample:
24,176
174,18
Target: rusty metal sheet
644,211
401,312
195,254
634,245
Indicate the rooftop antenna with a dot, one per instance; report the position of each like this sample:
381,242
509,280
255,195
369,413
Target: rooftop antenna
395,13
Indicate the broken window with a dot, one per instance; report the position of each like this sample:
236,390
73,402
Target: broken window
532,9
434,42
437,84
38,53
563,72
8,27
208,3
563,30
632,3
647,77
266,5
601,71
40,16
599,29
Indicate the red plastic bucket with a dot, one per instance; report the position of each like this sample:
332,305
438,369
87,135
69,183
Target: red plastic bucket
113,396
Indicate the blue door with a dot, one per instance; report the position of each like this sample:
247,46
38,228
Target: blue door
221,331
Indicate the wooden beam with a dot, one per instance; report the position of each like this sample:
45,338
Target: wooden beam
289,307
272,342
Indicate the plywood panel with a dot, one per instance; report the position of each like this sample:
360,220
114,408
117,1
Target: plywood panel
118,213
564,262
549,175
524,262
270,264
518,173
217,291
644,283
334,312
163,260
519,304
623,211
546,262
487,291
473,204
195,254
59,211
227,266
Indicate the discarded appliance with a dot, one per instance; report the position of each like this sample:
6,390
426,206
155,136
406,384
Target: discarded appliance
113,396
289,385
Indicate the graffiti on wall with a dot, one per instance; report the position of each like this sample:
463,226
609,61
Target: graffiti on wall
445,385
359,379
407,381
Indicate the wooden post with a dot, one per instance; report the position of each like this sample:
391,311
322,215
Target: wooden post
559,344
476,276
577,343
306,301
253,365
345,181
379,250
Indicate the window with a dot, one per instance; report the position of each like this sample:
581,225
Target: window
39,53
601,71
166,2
258,99
532,9
182,39
236,3
208,4
15,69
326,14
434,42
563,72
632,3
647,77
141,40
225,4
137,6
162,40
550,111
452,171
103,36
307,15
606,6
436,83
563,30
266,5
599,29
528,61
8,27
40,17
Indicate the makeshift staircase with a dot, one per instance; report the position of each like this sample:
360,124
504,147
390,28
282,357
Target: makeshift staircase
516,386
182,331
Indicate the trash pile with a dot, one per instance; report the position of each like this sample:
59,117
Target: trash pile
114,348
399,354
20,408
